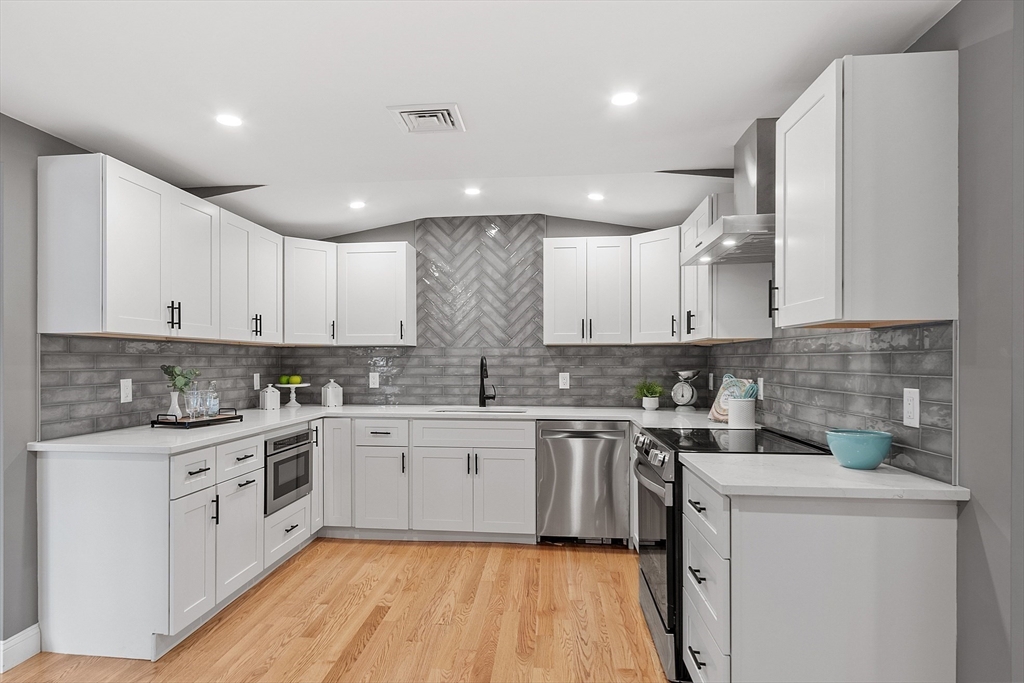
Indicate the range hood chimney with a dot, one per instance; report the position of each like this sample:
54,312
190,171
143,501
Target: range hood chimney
748,236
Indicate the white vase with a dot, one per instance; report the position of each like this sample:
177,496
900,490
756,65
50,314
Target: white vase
651,402
174,409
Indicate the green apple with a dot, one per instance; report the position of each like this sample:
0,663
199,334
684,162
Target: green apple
295,379
283,379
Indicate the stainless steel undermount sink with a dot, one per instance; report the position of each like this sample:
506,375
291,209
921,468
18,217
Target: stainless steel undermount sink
478,410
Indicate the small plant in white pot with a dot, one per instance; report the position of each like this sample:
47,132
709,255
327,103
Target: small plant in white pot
648,391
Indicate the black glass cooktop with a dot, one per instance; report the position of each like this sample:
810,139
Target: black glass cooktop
732,441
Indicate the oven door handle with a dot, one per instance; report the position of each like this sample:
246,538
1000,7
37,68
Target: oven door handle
663,492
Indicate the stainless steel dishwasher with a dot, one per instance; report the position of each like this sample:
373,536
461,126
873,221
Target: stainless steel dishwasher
583,480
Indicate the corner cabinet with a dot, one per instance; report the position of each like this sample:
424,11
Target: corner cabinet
310,291
376,294
655,286
251,282
587,290
724,303
122,252
866,194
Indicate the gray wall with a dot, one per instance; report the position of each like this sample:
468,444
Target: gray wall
559,226
399,232
983,32
20,145
854,379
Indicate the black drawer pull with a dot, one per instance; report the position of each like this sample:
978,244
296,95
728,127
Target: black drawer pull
696,575
292,528
245,457
695,504
380,433
199,471
693,655
253,481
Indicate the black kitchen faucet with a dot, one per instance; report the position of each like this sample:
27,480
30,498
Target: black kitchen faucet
484,396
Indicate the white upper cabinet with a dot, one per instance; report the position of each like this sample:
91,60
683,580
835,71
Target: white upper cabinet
251,281
310,291
655,286
726,302
376,294
193,248
694,228
696,297
866,193
586,290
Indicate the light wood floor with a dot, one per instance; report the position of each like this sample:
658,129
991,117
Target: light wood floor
403,612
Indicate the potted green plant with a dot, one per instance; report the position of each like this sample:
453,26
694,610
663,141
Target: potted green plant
648,391
180,380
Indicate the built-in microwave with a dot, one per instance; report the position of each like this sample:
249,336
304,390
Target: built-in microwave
289,468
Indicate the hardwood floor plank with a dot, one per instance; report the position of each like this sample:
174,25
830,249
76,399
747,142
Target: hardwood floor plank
356,610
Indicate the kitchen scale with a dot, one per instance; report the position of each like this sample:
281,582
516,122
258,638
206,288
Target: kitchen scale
683,392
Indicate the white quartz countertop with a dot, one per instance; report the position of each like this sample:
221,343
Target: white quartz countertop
168,441
813,476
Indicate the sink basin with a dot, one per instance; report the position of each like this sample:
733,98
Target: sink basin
478,410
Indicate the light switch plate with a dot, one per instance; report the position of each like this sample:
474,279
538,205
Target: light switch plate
256,381
760,388
912,407
563,380
375,380
711,380
126,390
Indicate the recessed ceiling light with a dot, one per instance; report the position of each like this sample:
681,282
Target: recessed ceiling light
729,243
596,196
357,205
705,259
623,98
229,120
472,190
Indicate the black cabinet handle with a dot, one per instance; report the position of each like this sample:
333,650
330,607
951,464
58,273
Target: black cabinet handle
583,328
245,457
469,464
695,504
292,528
696,575
332,329
316,435
175,309
216,509
478,463
199,471
591,328
260,330
401,329
256,325
690,315
693,656
247,482
171,309
380,433
771,303
673,326
178,323
403,463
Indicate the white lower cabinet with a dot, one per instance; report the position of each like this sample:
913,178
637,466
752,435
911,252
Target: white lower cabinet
193,557
285,530
442,489
381,487
704,660
316,494
239,532
505,491
336,440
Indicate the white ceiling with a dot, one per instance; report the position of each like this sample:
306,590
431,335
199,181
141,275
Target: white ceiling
143,81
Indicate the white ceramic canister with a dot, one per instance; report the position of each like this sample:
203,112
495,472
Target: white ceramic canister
741,413
331,395
270,398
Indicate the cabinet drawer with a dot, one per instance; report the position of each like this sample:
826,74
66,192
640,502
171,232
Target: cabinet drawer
474,433
193,471
704,660
381,432
707,510
238,457
284,530
706,578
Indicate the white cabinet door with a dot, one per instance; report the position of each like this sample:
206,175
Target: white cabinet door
655,286
505,490
192,255
310,291
193,560
442,489
136,272
316,494
236,235
381,487
739,294
376,294
697,223
565,290
337,445
608,296
239,532
266,284
696,319
808,204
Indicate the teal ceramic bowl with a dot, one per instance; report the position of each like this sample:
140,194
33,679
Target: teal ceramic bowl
859,449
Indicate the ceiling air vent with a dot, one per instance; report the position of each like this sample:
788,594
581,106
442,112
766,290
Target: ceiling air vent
428,118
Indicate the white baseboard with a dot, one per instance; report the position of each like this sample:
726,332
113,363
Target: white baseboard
19,648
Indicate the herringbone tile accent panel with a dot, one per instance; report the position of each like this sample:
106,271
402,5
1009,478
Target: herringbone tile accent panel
480,281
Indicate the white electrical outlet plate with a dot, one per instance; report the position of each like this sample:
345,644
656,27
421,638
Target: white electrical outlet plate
256,381
563,380
126,391
711,380
375,380
912,407
760,388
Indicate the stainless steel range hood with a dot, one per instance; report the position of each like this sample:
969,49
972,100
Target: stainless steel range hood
748,236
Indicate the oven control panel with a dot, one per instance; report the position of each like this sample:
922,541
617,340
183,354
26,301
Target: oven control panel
650,451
